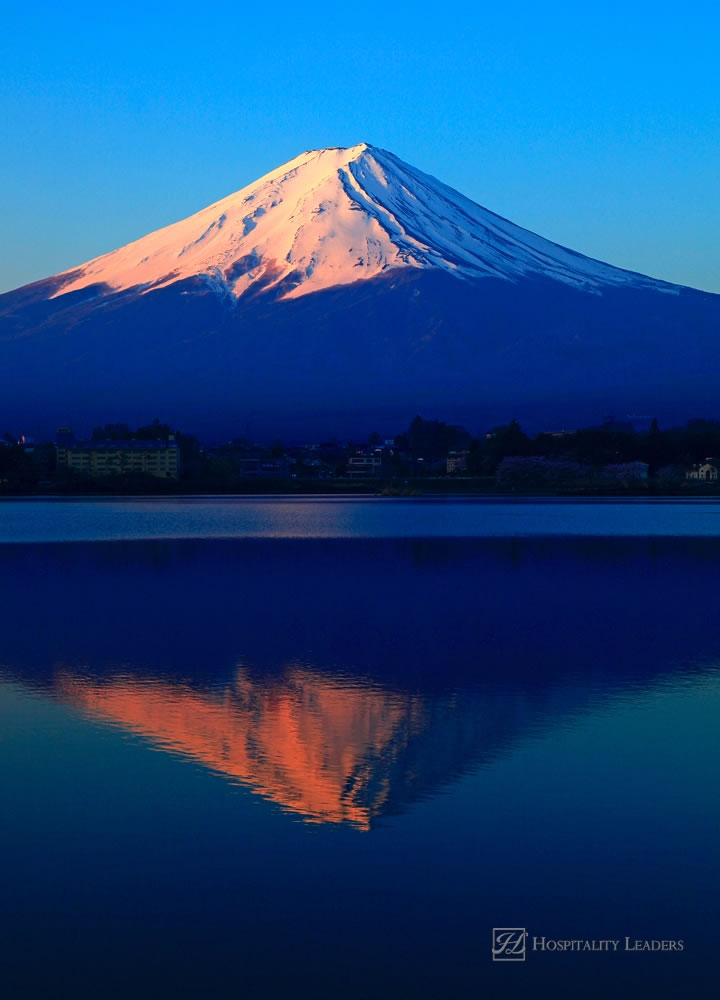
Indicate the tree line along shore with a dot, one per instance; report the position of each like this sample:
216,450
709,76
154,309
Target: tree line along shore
429,457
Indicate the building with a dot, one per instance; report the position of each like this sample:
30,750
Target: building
457,461
365,464
116,458
706,472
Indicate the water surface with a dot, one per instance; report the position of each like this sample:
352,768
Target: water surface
350,517
288,765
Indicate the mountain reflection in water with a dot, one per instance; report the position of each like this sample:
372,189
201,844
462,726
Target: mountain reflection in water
328,767
318,746
331,749
360,690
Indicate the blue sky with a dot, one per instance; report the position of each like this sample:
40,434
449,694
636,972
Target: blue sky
596,125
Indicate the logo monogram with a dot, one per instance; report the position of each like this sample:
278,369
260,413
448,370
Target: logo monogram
508,944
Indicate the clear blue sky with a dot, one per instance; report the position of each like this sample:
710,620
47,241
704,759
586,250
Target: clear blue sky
594,124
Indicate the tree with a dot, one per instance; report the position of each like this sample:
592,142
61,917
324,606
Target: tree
433,439
506,441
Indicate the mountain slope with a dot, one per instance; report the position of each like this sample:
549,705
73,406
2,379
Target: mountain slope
343,285
334,216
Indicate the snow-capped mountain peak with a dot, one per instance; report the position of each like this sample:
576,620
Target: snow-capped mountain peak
335,216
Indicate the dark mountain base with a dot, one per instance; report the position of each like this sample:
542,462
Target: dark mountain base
356,357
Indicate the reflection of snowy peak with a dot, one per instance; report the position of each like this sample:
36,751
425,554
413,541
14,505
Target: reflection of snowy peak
332,217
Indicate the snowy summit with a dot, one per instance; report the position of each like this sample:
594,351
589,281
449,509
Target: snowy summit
334,216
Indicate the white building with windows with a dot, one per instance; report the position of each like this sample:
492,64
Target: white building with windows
706,472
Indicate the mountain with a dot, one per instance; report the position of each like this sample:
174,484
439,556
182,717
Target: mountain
333,217
347,289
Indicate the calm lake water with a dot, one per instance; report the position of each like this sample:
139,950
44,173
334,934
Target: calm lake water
287,748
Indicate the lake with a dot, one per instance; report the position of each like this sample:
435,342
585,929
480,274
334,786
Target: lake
281,747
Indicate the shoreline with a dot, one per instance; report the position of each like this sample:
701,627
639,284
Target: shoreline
712,494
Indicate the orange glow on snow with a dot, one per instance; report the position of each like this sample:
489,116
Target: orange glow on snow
306,741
